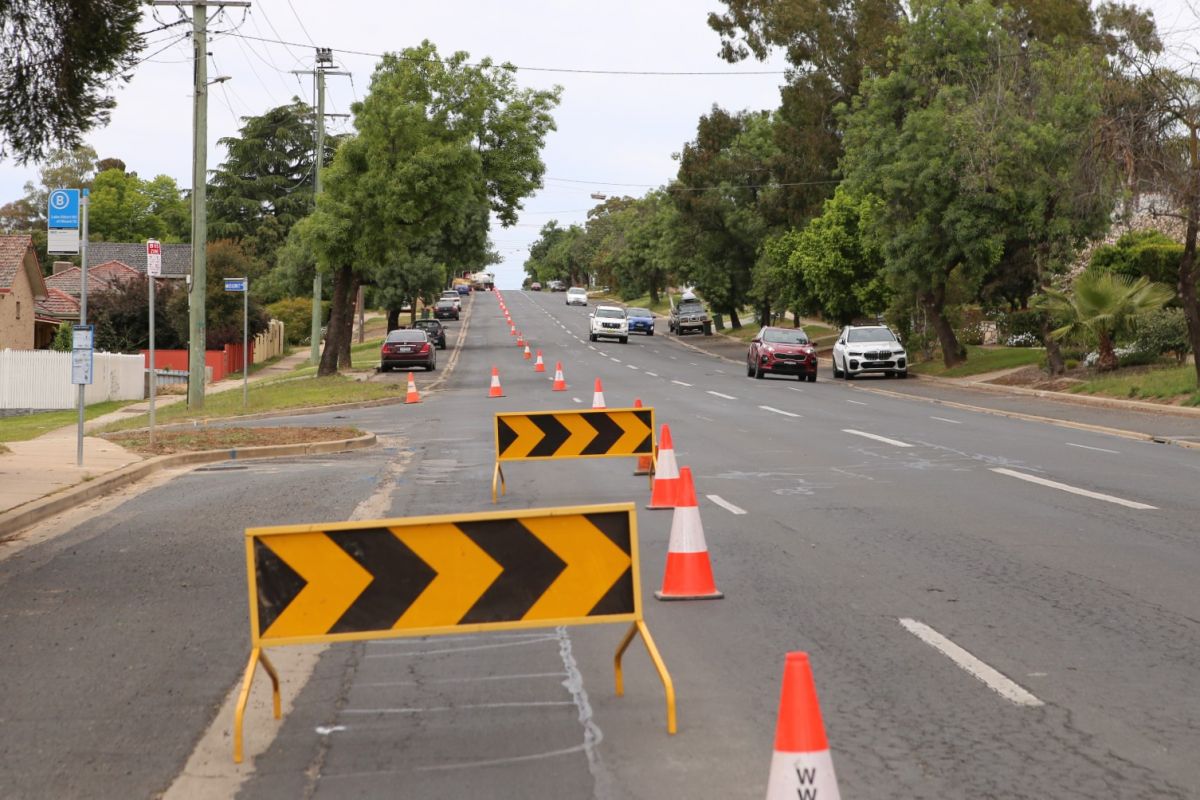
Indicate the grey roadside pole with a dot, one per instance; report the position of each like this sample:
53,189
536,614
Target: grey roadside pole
243,285
83,291
153,270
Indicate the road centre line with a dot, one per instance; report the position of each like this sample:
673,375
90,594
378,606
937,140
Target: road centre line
1097,449
876,437
992,678
730,507
652,374
1108,498
724,396
795,388
778,411
951,421
631,366
856,402
681,383
576,399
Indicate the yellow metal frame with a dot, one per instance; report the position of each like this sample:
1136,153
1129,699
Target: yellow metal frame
259,645
499,487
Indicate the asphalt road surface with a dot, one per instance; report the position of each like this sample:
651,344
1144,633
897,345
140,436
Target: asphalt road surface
907,548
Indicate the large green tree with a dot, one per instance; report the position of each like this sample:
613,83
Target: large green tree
124,208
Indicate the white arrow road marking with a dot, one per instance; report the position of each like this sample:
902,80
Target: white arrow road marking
1108,498
991,677
724,396
730,507
778,411
883,439
681,383
1097,449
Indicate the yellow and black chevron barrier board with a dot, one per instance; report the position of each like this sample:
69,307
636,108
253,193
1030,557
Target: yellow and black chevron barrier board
590,433
423,575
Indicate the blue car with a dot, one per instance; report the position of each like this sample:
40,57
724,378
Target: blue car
640,321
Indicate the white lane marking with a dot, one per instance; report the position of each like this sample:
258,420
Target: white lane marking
1097,449
991,677
720,371
951,421
652,374
693,363
856,402
631,366
877,438
325,730
778,411
725,504
590,346
610,358
681,383
576,400
724,396
1108,498
795,388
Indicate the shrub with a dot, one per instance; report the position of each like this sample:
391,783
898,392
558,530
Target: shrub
1023,340
1018,323
296,315
1164,332
1133,355
1138,253
63,338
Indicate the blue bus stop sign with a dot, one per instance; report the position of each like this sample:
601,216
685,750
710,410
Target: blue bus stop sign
63,208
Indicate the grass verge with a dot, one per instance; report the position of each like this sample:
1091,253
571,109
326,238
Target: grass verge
273,396
1174,383
983,359
31,426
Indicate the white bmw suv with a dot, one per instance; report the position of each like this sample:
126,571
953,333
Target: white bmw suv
868,348
610,321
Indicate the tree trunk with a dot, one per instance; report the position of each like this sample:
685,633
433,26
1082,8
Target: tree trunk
1055,364
336,328
1108,356
734,322
952,351
764,313
795,319
1187,287
348,323
393,319
653,294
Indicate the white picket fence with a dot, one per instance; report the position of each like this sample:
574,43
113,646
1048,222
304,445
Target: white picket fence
41,379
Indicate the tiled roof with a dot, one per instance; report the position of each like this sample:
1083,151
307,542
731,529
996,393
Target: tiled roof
176,258
12,255
58,304
100,277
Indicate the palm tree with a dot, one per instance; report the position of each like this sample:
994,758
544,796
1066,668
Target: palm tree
1104,306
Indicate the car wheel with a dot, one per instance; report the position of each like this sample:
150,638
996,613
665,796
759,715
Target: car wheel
801,377
758,371
749,369
624,340
431,366
650,332
837,373
384,368
902,373
846,375
812,378
708,329
591,337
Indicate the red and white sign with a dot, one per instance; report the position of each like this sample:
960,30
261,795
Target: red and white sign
153,258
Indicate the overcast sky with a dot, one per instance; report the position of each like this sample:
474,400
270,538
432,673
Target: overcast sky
616,133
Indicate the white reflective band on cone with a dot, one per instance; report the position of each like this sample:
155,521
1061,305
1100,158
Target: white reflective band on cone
802,776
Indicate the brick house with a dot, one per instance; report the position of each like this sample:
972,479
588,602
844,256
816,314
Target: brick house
21,287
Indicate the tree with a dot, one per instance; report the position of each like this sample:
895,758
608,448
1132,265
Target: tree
1146,253
1104,306
121,315
223,310
125,208
439,140
57,59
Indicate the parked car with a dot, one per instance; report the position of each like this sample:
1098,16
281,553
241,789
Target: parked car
435,330
868,348
609,322
689,314
576,296
407,347
446,309
786,351
557,286
535,287
640,320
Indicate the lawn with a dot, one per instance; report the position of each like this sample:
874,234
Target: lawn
272,396
1155,383
983,359
30,426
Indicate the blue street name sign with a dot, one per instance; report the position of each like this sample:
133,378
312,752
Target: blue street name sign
63,208
235,284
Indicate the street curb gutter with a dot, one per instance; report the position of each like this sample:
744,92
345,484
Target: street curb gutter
33,512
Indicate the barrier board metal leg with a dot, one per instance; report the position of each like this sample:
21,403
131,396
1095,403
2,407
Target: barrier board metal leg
239,712
668,684
498,478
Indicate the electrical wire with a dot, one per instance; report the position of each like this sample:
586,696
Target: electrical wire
297,16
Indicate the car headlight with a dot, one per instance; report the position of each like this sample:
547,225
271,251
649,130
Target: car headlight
855,354
897,352
770,349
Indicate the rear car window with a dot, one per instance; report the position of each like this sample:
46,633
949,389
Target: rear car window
407,336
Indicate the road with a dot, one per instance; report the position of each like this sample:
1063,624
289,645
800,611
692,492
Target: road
1064,560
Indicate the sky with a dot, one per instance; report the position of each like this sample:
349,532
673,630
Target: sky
616,132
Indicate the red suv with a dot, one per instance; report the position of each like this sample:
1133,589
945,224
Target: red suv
786,351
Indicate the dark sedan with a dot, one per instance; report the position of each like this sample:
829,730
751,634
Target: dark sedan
433,327
640,320
445,309
786,351
407,347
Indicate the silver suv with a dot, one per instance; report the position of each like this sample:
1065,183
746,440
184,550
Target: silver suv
868,348
610,322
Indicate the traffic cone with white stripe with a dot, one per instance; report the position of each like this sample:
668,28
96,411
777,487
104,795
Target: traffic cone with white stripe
645,464
801,766
527,355
598,396
521,340
495,390
512,329
665,491
688,575
560,383
413,396
538,366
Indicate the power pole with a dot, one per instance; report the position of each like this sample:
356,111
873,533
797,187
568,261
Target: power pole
197,329
322,68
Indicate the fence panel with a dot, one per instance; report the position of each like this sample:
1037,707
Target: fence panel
41,379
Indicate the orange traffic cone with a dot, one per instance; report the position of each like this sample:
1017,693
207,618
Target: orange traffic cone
688,575
495,390
801,765
538,366
645,464
527,355
560,384
665,491
412,396
521,340
598,396
512,329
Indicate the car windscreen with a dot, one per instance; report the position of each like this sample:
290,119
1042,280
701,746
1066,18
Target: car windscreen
639,312
445,304
409,336
777,336
428,324
870,335
611,313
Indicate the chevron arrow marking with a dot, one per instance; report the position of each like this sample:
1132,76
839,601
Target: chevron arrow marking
637,432
607,433
582,434
554,433
334,582
464,572
527,436
594,564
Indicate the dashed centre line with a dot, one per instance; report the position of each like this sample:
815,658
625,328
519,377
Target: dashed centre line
991,677
652,374
723,396
951,421
856,402
778,411
725,504
1097,449
877,437
631,366
1108,498
681,383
